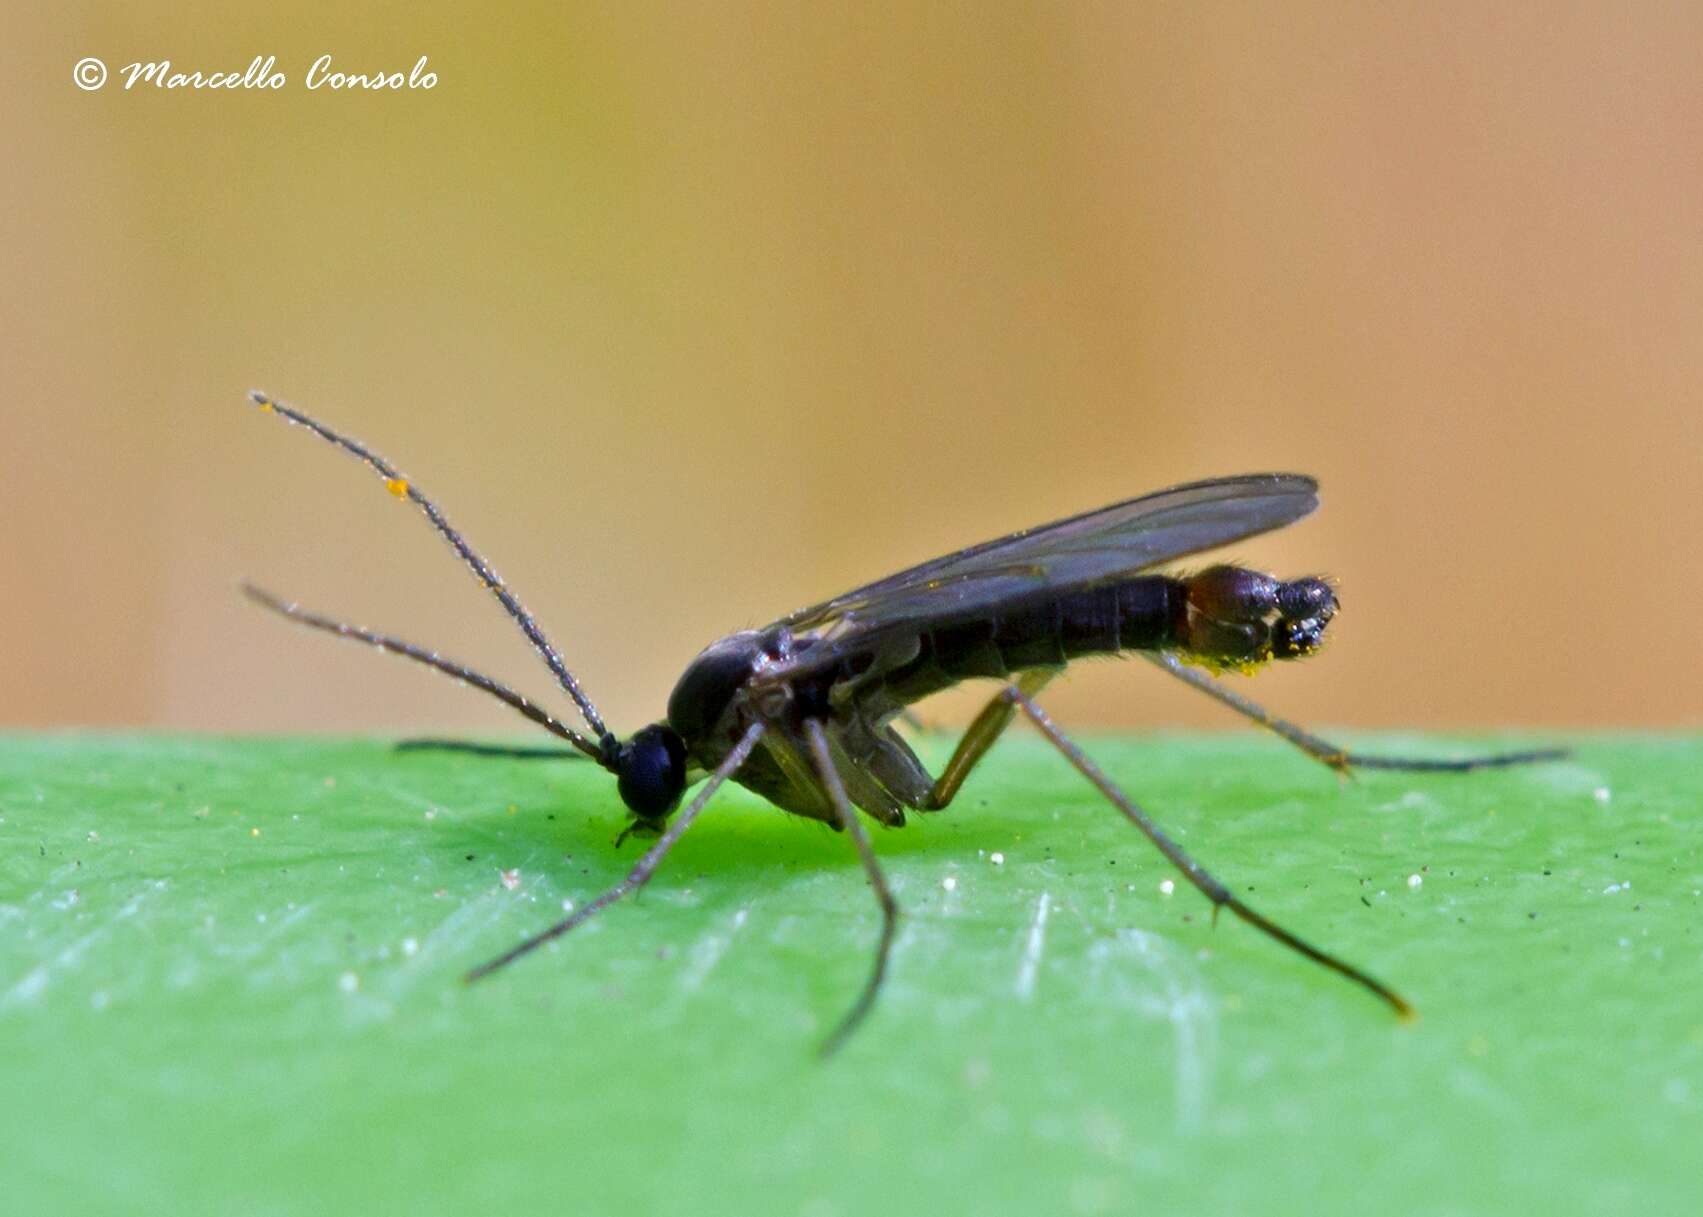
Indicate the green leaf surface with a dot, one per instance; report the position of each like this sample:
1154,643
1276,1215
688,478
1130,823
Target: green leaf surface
229,982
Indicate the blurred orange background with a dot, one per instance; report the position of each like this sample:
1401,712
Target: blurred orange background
690,315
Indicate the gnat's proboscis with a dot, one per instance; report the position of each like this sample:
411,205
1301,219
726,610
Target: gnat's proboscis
802,711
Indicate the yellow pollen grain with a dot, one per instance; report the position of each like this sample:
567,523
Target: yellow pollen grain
397,487
1220,666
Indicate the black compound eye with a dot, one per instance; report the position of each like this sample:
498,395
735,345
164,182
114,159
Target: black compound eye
1304,599
651,771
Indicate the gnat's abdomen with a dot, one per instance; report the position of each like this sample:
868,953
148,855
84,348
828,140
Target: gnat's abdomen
1044,631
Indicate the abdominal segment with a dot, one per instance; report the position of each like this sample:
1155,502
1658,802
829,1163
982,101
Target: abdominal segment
1225,617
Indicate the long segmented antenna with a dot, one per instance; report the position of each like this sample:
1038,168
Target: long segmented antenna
432,659
402,488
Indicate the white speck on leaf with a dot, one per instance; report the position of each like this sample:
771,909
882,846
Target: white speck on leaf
348,982
1167,886
511,878
1033,947
997,859
1415,879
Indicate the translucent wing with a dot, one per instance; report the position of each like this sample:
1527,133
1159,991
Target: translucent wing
1083,551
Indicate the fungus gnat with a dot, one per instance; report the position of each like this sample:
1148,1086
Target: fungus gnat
800,712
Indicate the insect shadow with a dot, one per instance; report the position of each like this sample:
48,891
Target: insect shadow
801,712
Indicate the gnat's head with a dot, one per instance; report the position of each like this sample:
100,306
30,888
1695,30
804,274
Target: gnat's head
650,772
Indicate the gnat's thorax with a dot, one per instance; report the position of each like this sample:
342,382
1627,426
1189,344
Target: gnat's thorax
705,705
706,689
702,725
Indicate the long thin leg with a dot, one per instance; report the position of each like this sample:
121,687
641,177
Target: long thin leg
402,488
984,729
474,748
1340,759
646,867
1196,874
830,778
432,659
